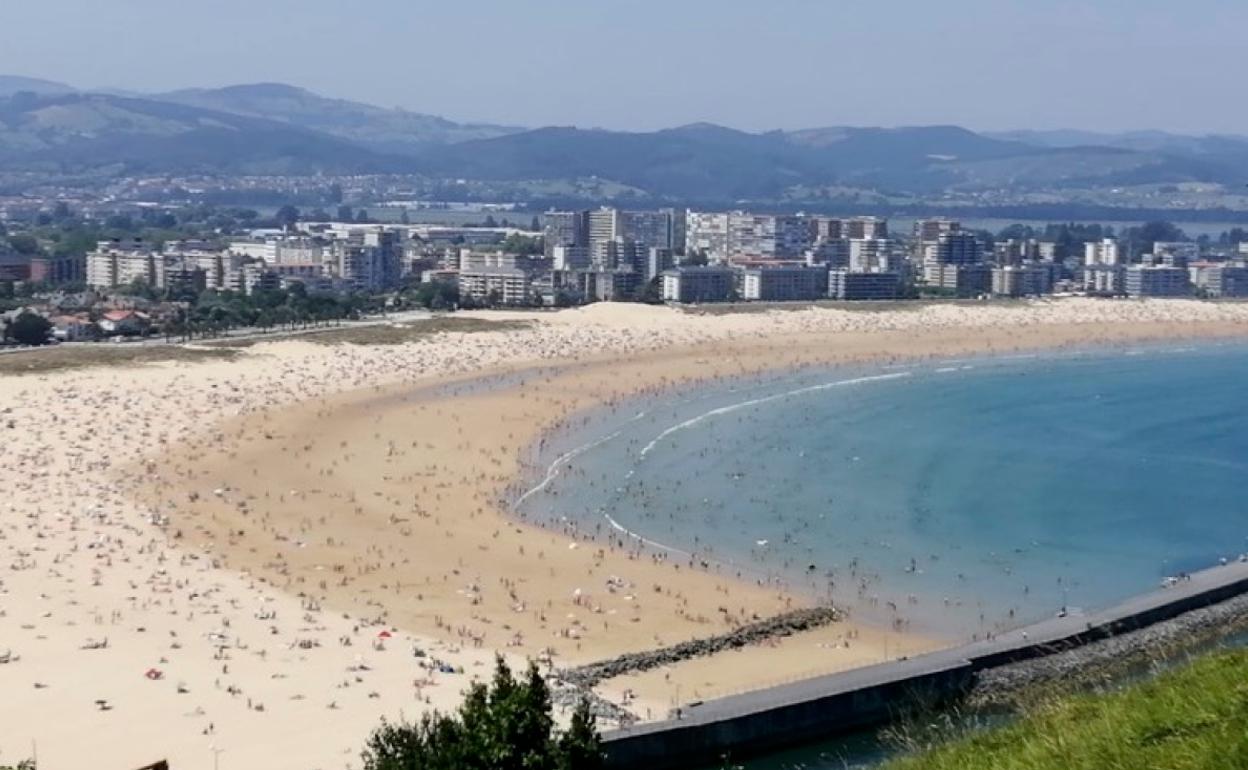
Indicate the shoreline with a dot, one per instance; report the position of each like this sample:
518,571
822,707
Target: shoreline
229,635
697,592
543,460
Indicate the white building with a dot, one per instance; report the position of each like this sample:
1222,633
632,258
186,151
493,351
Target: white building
120,263
871,255
501,285
1102,252
707,233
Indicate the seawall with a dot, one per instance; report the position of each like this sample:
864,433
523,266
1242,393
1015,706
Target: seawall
792,714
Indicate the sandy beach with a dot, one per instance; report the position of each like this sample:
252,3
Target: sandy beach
246,558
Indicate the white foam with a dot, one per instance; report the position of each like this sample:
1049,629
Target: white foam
763,400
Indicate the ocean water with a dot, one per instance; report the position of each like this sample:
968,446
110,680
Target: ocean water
949,498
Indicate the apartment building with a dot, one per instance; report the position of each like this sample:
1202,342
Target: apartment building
1156,281
1219,279
698,284
1027,280
849,285
496,285
783,283
122,262
1105,252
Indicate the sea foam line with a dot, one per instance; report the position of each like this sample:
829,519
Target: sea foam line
553,469
641,538
763,400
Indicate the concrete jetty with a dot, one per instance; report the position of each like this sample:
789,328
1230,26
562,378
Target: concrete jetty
821,707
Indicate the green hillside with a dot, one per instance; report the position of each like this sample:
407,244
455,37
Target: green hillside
1193,718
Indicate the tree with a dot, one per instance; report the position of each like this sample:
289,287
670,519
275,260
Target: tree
1142,239
345,214
286,216
29,329
506,725
26,245
520,244
122,222
650,292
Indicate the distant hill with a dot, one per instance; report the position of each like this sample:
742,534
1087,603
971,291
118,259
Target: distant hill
13,84
1141,141
711,162
377,128
272,128
90,132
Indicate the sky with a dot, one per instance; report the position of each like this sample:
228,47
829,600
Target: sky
1103,65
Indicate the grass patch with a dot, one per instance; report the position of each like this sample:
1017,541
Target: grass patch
69,357
1191,718
377,334
59,359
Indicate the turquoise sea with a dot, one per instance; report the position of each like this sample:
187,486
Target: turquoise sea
951,498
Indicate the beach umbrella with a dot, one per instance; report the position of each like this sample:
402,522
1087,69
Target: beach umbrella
384,635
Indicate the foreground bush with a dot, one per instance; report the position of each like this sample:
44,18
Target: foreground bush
505,726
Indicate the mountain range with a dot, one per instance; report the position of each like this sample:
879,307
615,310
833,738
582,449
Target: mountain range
280,129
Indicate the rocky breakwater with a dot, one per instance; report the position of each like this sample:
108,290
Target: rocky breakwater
1108,659
775,627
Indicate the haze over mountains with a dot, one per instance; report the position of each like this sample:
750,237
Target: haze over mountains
280,129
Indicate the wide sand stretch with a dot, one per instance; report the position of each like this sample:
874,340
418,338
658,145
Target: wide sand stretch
242,558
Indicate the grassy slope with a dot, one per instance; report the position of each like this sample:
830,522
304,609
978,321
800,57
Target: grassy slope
1193,718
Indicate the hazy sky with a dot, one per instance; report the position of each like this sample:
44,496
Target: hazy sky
644,64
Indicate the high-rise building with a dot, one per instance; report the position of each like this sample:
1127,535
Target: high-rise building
865,227
1102,252
647,228
570,257
833,252
958,248
604,225
706,234
1015,251
122,262
825,229
932,229
1104,279
870,255
565,228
